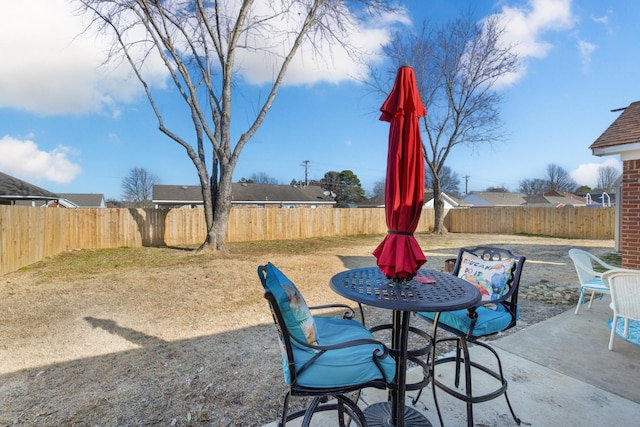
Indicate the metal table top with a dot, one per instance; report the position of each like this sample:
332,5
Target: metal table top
369,286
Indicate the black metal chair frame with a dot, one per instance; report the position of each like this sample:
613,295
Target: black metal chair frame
510,302
321,396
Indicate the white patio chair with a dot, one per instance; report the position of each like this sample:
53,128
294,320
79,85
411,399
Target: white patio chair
590,279
625,299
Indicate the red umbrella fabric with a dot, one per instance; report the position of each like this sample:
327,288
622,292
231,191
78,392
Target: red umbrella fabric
399,255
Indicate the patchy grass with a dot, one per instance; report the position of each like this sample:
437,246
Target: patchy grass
296,247
88,263
613,258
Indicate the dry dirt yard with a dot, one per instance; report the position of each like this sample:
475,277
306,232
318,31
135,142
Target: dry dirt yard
171,337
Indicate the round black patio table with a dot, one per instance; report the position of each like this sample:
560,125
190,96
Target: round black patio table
429,290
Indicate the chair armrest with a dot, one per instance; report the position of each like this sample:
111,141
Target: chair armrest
347,344
607,266
321,307
349,312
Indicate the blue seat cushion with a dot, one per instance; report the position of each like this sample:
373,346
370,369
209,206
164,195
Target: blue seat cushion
596,284
489,321
345,366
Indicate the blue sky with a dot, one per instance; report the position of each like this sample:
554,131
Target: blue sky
71,126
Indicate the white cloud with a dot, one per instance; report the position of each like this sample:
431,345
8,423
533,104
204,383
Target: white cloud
23,159
317,59
54,70
525,28
587,174
586,49
604,19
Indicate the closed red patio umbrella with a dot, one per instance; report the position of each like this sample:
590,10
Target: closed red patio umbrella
399,256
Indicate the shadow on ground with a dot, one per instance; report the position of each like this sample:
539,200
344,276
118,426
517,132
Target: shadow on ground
187,382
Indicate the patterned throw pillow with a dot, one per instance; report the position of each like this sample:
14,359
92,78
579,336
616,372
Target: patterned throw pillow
295,311
489,276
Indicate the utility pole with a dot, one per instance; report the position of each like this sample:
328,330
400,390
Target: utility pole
305,163
466,185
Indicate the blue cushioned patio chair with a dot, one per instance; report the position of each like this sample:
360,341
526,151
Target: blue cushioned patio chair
324,358
590,279
496,272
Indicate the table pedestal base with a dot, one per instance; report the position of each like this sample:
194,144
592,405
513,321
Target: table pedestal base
379,415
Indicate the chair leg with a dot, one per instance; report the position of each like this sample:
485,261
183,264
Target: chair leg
580,300
593,294
459,347
626,328
343,406
468,396
614,322
350,408
501,378
285,409
435,400
286,416
467,381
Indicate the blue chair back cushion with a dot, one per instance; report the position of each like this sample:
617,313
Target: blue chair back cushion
293,307
489,321
345,366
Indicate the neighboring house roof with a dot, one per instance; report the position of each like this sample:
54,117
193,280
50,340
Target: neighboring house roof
449,201
536,200
560,198
176,194
84,200
622,136
486,199
549,198
244,193
251,193
376,201
13,190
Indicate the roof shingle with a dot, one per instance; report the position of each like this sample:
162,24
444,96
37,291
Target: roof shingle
16,189
266,193
624,130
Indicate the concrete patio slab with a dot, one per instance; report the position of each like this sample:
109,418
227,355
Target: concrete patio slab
560,373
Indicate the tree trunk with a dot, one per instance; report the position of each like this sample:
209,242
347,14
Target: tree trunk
438,208
217,234
217,231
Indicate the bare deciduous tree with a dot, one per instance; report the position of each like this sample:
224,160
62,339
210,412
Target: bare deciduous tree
449,181
378,189
260,178
200,43
138,186
607,177
457,66
533,186
559,179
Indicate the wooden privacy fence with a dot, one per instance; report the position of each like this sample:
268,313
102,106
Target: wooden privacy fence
29,234
573,223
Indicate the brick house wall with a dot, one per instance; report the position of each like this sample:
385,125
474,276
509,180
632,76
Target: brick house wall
622,138
630,212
